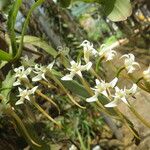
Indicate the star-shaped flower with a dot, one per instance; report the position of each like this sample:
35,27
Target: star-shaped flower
107,53
122,94
41,71
100,88
88,49
130,63
76,68
25,94
21,73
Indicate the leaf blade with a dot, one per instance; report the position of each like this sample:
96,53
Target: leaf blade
5,56
39,43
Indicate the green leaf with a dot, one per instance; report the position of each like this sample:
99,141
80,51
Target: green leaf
39,43
79,90
7,85
117,10
5,56
11,24
35,5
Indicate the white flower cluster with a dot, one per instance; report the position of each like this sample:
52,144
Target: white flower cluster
101,86
89,51
21,75
120,94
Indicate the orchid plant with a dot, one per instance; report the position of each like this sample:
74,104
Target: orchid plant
29,78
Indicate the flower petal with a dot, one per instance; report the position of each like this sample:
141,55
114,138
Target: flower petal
124,56
105,93
17,83
67,77
113,82
37,78
112,104
33,89
50,66
92,99
21,101
124,100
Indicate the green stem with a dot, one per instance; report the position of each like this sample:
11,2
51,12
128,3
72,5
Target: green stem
139,85
92,71
126,123
44,113
139,116
22,127
48,84
81,141
138,80
119,71
98,64
50,75
38,92
87,87
35,5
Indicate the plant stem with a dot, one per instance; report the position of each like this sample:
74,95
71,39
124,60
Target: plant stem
119,71
44,113
139,85
126,123
48,99
139,116
49,85
50,75
22,127
38,92
87,87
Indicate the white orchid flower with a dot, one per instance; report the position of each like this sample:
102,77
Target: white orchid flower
122,94
76,68
146,74
41,71
25,94
88,50
100,88
107,53
130,62
21,73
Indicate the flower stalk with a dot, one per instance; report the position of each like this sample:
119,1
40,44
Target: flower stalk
23,128
139,116
50,75
44,113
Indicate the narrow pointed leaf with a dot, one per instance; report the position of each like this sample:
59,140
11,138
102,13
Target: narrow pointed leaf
11,25
5,56
39,43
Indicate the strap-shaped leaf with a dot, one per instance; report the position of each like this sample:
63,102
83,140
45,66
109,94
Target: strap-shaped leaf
11,24
5,56
39,43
